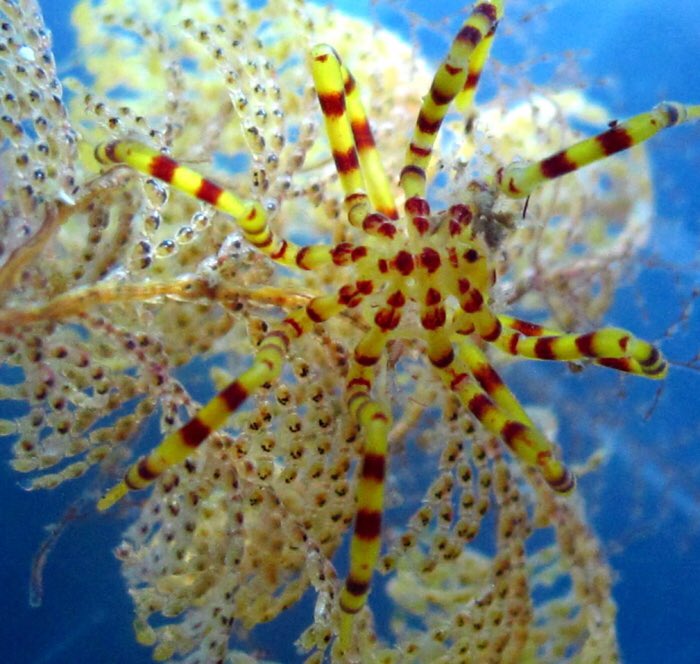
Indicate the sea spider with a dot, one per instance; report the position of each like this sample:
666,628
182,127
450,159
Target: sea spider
418,275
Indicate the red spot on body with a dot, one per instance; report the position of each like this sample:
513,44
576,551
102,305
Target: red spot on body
342,253
194,432
527,328
421,224
617,363
564,483
358,253
494,333
111,151
332,103
432,296
472,80
298,330
365,360
457,380
276,255
404,263
488,10
430,259
144,471
585,344
444,360
373,467
301,256
419,151
452,70
513,344
350,84
426,125
266,241
360,382
452,256
469,35
383,265
346,161
163,167
314,315
511,431
349,296
363,134
471,255
488,378
379,224
544,348
252,214
615,140
653,358
396,299
365,286
433,319
209,191
439,97
472,302
355,198
356,589
556,165
412,170
479,405
417,206
387,318
368,524
461,213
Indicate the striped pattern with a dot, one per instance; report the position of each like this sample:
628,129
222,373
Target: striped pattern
365,546
352,144
437,260
505,420
465,99
495,406
328,81
518,180
449,80
611,347
249,215
375,177
267,366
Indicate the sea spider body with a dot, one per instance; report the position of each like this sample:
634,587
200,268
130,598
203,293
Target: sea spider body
419,276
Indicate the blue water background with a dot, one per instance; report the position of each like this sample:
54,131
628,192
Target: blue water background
647,506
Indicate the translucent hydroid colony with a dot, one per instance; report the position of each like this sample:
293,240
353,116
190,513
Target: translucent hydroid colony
356,265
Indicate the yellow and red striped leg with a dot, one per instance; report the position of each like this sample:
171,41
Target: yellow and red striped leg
519,180
365,546
489,380
249,215
330,88
375,177
449,80
375,422
609,346
506,420
267,365
465,99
